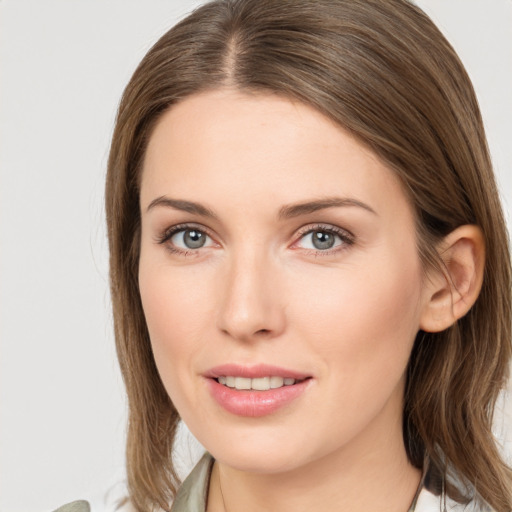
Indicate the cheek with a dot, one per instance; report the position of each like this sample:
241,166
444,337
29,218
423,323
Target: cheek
176,310
161,305
364,318
360,325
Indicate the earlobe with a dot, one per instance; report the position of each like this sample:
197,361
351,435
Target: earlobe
452,290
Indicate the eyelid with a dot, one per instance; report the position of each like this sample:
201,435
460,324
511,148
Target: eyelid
346,237
164,236
321,226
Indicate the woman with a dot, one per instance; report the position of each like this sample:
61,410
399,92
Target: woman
309,264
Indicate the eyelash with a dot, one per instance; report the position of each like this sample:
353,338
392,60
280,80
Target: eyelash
173,230
345,236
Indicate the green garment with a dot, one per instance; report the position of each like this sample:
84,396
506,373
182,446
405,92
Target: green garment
193,493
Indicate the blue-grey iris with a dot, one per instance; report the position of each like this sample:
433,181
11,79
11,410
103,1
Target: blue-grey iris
194,239
322,240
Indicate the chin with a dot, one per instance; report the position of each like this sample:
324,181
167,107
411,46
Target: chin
258,459
262,449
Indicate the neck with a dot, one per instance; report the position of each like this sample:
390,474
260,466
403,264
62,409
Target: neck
360,477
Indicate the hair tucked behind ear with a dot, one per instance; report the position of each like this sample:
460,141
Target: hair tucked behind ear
382,70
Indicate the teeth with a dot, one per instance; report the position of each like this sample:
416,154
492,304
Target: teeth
258,384
276,382
242,383
261,384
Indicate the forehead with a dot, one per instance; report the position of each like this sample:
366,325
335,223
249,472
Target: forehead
243,146
239,125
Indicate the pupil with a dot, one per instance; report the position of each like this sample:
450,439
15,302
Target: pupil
194,239
323,240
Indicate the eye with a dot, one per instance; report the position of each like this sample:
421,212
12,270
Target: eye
324,239
183,239
191,238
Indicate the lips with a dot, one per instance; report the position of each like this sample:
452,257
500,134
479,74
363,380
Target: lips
255,391
253,372
257,384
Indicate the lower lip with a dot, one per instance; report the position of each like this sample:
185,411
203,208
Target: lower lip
252,403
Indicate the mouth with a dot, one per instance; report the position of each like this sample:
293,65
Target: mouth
256,384
254,391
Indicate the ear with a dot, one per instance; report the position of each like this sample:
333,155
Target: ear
450,292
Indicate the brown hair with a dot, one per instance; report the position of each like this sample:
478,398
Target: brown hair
382,70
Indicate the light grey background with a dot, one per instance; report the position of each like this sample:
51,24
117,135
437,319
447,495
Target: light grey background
63,66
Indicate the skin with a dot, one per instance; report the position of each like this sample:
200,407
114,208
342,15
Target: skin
259,291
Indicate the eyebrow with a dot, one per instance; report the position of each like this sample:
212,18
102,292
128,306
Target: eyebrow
285,212
180,204
295,210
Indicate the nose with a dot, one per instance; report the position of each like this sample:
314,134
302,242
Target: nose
251,300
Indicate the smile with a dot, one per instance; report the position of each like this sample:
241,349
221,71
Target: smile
256,390
257,384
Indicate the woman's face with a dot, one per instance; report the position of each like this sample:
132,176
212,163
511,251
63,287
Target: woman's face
278,256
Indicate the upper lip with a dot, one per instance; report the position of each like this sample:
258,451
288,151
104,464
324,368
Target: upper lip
253,371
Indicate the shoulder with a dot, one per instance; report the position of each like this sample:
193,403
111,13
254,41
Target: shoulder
429,502
432,496
191,494
95,506
75,506
113,499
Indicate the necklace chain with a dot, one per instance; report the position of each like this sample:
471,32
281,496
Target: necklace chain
222,495
443,494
